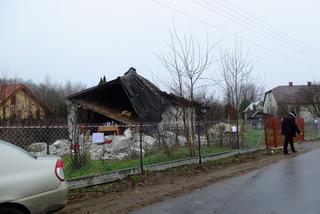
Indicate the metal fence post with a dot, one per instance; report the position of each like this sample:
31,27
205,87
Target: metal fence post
237,134
199,142
200,116
47,139
141,154
206,130
318,126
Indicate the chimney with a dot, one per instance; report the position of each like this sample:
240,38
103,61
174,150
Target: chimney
290,83
309,83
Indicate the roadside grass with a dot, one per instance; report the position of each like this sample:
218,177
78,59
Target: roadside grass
152,177
310,133
214,150
254,137
92,167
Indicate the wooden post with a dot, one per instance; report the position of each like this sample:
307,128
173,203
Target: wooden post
265,132
302,127
274,131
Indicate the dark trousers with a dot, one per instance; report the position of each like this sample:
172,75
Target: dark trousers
288,139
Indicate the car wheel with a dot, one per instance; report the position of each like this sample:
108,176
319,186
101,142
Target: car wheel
11,210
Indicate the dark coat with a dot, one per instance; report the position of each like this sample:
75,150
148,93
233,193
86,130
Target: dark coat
289,127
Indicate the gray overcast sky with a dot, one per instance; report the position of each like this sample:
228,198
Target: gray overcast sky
82,40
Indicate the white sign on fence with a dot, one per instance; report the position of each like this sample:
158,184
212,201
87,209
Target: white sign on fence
97,137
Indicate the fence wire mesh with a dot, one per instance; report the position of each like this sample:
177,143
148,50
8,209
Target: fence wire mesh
312,129
102,148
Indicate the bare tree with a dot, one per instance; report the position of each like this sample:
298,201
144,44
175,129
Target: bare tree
186,63
210,103
236,71
252,92
53,95
174,65
196,63
309,97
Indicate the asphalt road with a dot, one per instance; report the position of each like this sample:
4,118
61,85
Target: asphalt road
289,186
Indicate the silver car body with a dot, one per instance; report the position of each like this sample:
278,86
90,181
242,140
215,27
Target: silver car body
30,181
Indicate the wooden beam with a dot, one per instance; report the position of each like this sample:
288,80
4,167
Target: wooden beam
108,112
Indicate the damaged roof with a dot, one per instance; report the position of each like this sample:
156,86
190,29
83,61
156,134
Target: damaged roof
126,93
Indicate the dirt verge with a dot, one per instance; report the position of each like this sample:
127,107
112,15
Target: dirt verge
140,190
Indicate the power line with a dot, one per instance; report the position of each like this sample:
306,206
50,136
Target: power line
232,34
252,26
256,19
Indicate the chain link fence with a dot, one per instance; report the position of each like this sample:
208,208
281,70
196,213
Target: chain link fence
107,147
312,129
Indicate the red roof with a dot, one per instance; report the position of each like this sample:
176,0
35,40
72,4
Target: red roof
7,90
290,94
287,94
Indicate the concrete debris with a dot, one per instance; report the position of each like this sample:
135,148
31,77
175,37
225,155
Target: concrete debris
60,148
118,147
119,156
128,133
38,149
182,140
220,128
135,152
148,142
203,140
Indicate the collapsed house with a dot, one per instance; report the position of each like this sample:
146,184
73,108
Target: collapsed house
128,99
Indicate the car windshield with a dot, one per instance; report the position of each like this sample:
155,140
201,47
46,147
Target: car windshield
18,148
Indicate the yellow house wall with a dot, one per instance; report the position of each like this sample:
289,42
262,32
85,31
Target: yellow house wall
23,107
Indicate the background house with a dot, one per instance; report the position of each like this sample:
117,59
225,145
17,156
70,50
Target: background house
252,109
254,114
17,103
282,99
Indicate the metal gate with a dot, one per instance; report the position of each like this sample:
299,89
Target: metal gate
272,128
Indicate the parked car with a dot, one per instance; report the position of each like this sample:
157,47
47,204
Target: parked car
30,184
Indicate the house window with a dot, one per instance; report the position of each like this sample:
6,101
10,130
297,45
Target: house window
13,99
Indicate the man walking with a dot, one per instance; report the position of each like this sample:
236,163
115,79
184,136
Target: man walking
289,130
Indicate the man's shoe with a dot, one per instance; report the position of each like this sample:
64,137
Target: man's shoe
286,153
294,151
